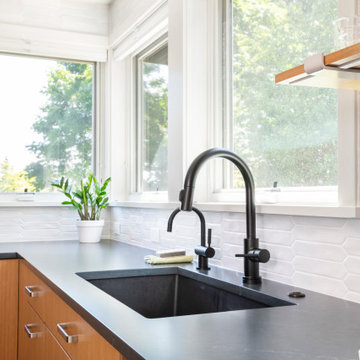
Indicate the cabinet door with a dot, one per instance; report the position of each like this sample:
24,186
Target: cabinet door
35,340
72,332
8,309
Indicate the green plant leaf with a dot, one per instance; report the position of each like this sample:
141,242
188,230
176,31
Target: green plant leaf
68,195
105,184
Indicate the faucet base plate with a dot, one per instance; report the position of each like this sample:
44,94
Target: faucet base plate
251,280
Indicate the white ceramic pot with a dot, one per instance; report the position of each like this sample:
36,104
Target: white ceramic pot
89,231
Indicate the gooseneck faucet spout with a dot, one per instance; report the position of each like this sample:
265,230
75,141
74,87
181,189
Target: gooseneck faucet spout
252,254
204,252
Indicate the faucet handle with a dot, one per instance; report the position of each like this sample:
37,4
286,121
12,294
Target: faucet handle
208,251
256,255
209,237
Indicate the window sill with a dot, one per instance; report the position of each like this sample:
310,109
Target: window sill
31,199
30,204
324,210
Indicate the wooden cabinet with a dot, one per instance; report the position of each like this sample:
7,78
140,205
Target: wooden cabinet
8,309
35,340
78,339
341,71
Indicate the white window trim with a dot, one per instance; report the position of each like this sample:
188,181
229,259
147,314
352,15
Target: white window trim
122,117
136,193
138,120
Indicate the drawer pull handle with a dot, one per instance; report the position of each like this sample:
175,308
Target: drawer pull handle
31,291
29,330
70,339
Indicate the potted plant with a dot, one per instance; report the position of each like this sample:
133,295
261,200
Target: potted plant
89,201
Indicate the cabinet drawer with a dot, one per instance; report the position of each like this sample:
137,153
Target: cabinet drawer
35,340
33,290
74,334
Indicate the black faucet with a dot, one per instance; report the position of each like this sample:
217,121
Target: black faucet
204,252
252,254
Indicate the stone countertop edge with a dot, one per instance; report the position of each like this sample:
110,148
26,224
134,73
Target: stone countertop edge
317,327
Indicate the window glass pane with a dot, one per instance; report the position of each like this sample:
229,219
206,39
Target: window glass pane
285,133
154,120
46,113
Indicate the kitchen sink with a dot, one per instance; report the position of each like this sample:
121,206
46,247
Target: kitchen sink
166,292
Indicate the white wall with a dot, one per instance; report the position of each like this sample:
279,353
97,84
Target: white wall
84,17
320,254
60,28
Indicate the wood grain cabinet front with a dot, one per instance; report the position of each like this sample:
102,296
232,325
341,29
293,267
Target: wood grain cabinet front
8,309
71,331
35,340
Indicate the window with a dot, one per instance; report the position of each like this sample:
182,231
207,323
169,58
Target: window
286,134
152,118
47,116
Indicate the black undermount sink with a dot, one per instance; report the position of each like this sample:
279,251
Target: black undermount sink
165,292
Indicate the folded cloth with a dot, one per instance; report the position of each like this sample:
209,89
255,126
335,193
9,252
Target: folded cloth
155,260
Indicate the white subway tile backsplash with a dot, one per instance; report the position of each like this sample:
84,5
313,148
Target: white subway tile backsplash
216,241
353,283
276,237
189,231
11,229
231,250
10,237
319,251
320,267
42,224
233,237
218,253
278,267
321,254
275,222
39,224
231,262
352,246
232,225
280,252
276,277
41,234
326,285
68,228
318,234
352,264
353,296
318,221
352,227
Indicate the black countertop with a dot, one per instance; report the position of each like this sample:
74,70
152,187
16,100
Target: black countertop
318,327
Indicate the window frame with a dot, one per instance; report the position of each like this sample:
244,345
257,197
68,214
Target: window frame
347,141
138,126
54,198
